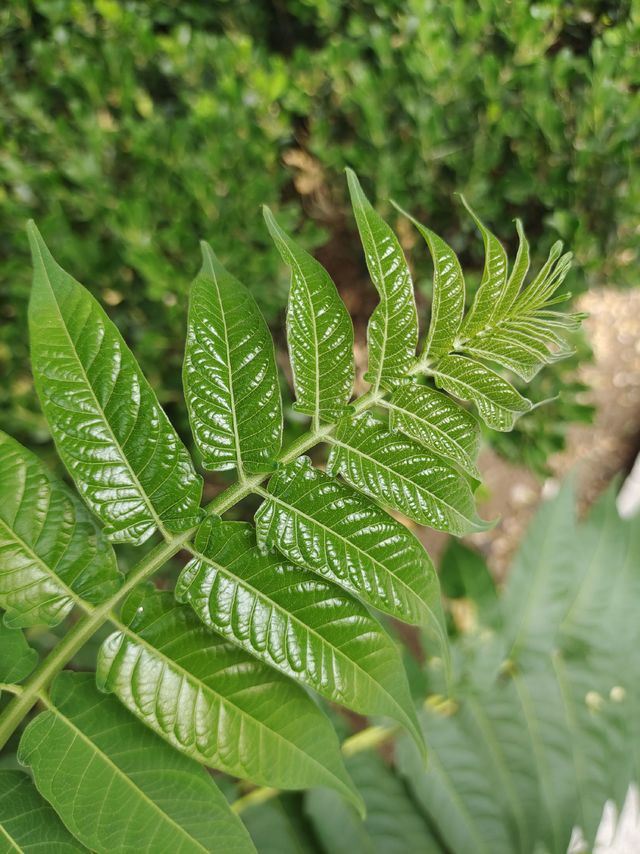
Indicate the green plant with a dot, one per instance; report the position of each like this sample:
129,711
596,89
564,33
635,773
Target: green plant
218,676
539,730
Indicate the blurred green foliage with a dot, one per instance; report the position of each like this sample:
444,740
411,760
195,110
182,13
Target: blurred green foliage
129,130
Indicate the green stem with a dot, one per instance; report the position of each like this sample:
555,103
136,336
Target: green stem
77,636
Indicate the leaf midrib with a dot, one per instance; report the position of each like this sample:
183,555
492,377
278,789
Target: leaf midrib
99,408
12,841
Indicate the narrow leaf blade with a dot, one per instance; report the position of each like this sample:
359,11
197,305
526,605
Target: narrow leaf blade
117,443
404,475
229,375
392,334
52,553
325,526
116,785
214,702
319,332
305,627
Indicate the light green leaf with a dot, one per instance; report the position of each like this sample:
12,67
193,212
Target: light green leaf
319,332
116,785
499,404
520,354
492,293
17,658
329,528
117,443
404,475
392,334
517,276
294,621
544,285
52,553
437,422
447,306
214,702
27,822
229,376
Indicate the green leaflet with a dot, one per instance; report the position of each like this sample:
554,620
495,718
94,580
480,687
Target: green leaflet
437,422
545,283
52,553
499,404
329,528
116,785
302,625
215,703
319,332
404,475
230,378
492,293
117,443
17,658
393,824
392,334
447,306
516,351
27,822
517,276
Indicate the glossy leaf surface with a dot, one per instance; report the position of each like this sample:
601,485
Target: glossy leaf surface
214,702
117,443
17,658
438,423
27,822
302,625
52,554
319,332
116,785
329,528
404,475
229,376
498,403
392,333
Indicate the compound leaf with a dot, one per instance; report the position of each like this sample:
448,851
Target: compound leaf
116,441
229,376
437,422
116,785
319,332
392,334
302,625
404,475
52,552
27,822
214,702
329,528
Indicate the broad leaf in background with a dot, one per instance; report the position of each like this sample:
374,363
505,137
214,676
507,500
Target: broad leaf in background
116,785
392,333
499,404
17,658
329,528
300,624
27,822
319,332
230,377
438,423
214,702
399,472
52,553
116,441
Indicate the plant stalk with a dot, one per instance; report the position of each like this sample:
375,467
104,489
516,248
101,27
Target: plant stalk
88,625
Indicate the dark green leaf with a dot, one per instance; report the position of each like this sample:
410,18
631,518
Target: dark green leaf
17,658
116,785
27,822
303,626
215,703
327,527
392,334
52,553
125,457
230,377
319,332
404,475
